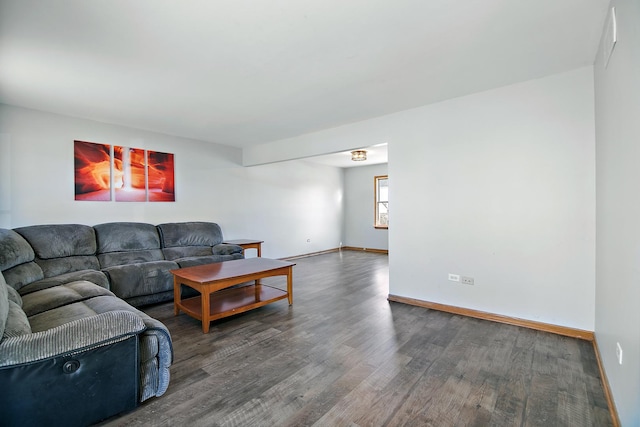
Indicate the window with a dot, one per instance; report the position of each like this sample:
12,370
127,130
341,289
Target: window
381,189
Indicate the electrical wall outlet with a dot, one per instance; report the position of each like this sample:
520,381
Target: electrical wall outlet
466,280
454,277
619,352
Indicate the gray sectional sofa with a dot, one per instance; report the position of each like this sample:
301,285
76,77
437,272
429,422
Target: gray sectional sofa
74,349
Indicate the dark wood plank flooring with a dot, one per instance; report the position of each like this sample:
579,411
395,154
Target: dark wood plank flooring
343,355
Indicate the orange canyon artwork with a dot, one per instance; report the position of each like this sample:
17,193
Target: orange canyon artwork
131,174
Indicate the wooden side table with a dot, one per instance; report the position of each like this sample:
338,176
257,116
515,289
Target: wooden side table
247,244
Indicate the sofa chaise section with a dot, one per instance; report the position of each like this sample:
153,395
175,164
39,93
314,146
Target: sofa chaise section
71,352
75,354
73,349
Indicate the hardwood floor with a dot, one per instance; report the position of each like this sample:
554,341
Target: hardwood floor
343,355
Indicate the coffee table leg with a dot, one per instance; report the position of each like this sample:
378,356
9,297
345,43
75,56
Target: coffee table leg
205,311
176,296
290,285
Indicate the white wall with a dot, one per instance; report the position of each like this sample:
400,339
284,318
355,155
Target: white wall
498,185
283,204
359,204
617,106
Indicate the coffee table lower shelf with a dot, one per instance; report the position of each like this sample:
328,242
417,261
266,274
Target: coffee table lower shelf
230,301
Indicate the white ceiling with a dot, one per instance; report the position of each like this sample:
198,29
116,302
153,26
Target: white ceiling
240,72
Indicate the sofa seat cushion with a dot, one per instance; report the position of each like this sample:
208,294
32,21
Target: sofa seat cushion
94,276
58,296
186,251
191,261
61,315
147,278
78,310
110,259
182,252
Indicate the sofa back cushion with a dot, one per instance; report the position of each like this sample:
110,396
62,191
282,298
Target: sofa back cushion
122,243
176,234
23,275
60,240
14,250
17,260
189,239
62,248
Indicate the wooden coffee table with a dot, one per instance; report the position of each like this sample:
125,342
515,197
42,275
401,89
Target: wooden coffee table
217,299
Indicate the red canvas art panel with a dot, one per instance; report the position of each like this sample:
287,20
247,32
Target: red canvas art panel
129,178
92,168
160,174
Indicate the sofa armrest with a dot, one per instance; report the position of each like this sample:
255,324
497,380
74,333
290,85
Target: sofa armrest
226,249
156,356
72,337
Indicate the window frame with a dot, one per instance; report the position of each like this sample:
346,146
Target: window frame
377,201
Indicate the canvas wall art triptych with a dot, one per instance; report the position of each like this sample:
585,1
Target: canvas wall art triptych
127,174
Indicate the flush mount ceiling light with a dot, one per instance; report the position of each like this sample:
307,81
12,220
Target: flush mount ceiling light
358,155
